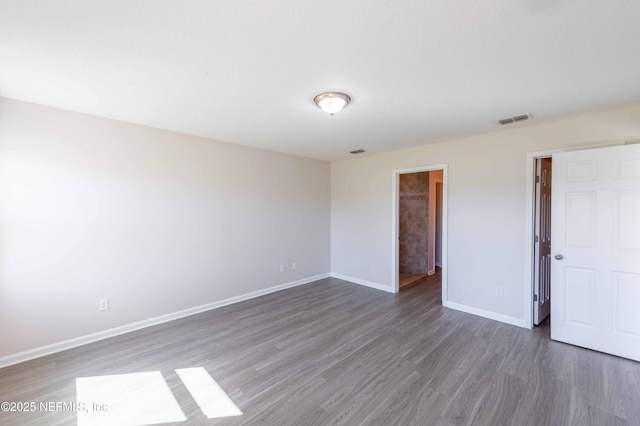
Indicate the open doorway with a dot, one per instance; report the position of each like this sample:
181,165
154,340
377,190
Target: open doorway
415,217
532,293
438,250
538,268
419,226
542,240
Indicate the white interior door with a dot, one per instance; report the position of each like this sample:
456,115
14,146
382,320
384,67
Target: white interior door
595,267
541,303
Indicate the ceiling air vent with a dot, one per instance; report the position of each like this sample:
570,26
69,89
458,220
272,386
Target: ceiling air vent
358,151
515,119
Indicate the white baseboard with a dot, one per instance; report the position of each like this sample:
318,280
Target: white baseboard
363,282
101,335
519,322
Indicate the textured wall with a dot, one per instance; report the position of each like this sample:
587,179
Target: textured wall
414,222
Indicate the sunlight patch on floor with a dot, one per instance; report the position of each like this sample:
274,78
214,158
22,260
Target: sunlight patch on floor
126,400
210,397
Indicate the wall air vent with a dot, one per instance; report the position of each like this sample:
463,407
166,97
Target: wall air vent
358,151
515,119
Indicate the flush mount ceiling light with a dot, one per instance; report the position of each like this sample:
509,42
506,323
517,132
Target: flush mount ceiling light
332,102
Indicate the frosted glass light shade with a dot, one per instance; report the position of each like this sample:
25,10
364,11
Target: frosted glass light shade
332,102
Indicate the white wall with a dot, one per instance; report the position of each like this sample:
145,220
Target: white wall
486,200
156,221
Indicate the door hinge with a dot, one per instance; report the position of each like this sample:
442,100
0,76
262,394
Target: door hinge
537,179
537,239
535,297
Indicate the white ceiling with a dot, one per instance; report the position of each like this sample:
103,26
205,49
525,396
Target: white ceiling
246,71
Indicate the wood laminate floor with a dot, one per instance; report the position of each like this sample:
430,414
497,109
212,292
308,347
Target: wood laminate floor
407,280
336,353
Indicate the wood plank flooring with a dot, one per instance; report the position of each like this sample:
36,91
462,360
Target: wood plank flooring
407,280
336,353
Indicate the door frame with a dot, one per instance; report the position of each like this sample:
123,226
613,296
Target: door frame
530,193
395,223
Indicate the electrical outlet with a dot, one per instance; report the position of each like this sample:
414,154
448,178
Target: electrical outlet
282,268
294,265
103,304
499,291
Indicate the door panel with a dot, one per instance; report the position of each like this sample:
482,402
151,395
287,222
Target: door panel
626,289
596,225
626,221
579,296
628,169
579,221
580,171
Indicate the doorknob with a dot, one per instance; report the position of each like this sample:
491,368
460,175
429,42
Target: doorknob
559,257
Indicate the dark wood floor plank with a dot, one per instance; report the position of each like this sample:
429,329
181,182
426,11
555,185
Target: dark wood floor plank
500,402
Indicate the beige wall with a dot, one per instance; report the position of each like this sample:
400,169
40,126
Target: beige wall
486,207
156,221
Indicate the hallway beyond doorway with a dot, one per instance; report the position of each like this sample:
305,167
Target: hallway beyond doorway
406,280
